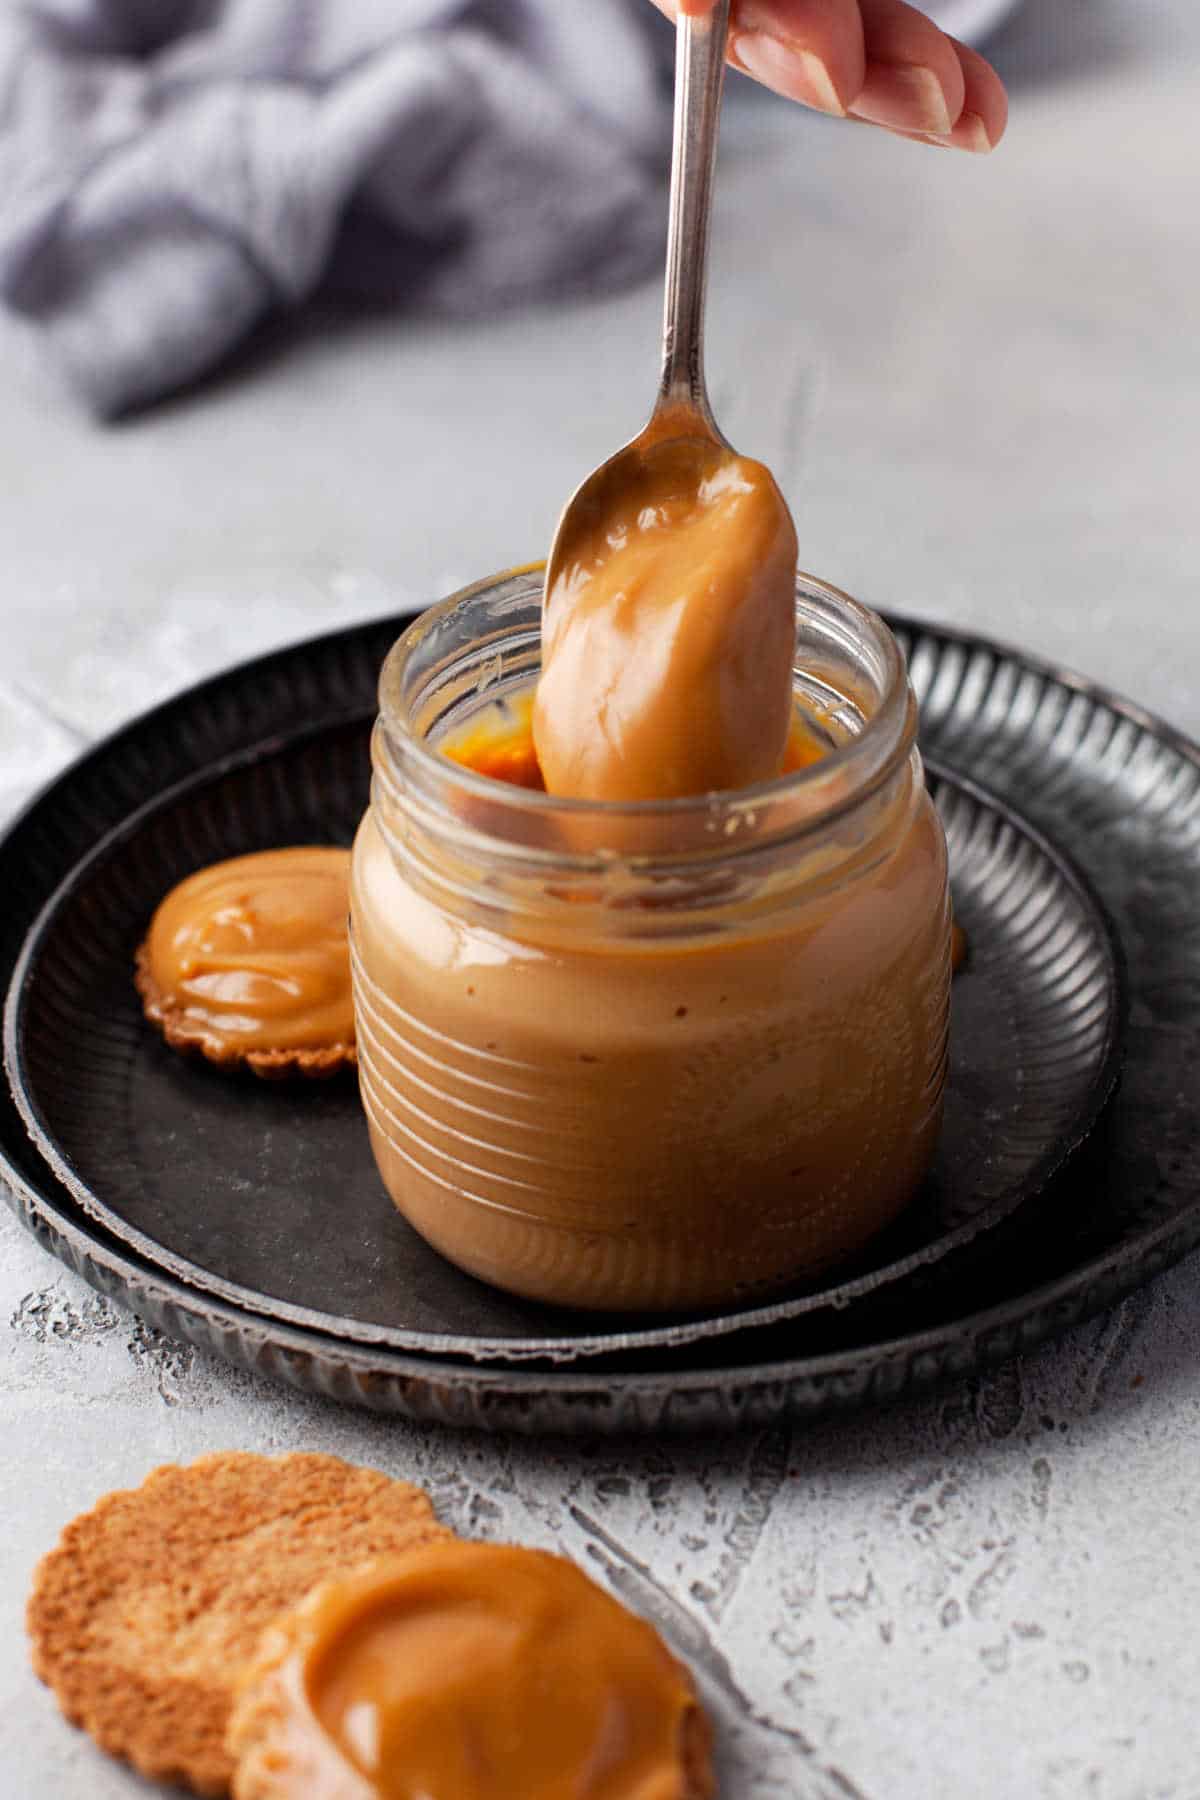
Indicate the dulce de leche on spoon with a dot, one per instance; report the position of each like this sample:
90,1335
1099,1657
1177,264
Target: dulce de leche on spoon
668,628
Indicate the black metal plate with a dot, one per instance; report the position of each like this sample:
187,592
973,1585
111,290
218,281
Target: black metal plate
1118,790
268,1196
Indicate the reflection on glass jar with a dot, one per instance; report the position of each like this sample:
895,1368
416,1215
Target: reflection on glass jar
649,1057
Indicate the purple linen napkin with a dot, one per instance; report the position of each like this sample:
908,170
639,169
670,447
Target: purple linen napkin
171,170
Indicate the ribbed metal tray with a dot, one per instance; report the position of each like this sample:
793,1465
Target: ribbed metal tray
1081,781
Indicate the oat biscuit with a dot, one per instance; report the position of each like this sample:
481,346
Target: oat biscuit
145,1614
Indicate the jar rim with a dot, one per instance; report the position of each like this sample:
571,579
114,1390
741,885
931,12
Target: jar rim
886,737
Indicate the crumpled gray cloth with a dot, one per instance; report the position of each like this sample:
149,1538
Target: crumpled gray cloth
171,170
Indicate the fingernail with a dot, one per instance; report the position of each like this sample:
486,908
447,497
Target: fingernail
789,70
970,133
904,97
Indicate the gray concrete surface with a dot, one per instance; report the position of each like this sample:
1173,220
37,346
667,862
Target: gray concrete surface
979,383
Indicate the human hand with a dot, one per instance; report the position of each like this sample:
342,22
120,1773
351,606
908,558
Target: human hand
878,61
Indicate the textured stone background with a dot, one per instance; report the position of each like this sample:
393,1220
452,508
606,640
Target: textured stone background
978,383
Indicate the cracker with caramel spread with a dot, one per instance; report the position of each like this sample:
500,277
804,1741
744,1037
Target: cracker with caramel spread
467,1671
146,1612
247,963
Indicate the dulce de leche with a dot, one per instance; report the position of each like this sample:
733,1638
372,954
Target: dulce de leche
649,1082
248,962
469,1672
668,636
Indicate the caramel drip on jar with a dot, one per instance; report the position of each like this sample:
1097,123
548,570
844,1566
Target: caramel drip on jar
489,1672
253,954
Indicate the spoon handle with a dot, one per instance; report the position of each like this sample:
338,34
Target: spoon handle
699,78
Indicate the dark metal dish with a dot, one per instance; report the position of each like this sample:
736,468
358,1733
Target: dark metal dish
267,1195
1118,791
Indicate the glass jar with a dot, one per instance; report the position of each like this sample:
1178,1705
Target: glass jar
667,1055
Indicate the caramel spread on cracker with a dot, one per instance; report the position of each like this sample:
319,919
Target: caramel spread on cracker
248,961
668,638
469,1672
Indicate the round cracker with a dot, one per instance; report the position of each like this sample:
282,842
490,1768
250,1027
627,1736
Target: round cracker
145,1614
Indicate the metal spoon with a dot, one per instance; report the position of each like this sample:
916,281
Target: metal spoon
681,409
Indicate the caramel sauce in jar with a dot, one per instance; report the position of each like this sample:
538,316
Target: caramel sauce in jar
684,1075
500,745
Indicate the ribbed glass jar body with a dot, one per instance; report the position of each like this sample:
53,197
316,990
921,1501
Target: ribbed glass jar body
649,1057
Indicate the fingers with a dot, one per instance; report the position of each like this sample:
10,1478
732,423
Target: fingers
811,50
879,61
914,81
985,101
980,125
